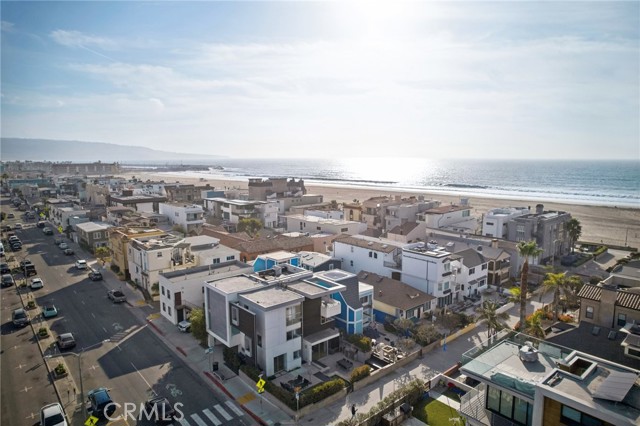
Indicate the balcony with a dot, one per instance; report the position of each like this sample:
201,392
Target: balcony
330,308
472,406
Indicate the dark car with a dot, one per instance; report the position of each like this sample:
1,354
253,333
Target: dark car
158,409
28,268
7,280
68,251
47,231
16,246
95,275
20,318
4,268
101,404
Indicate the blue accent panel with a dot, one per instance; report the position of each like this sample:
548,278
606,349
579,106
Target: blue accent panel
359,315
295,261
380,316
271,264
350,319
259,265
358,327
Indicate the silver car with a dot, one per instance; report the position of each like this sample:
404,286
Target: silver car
66,340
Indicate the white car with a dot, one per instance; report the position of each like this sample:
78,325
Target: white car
81,264
36,283
52,415
184,326
17,226
63,246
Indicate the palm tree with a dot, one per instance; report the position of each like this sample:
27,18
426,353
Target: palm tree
533,325
526,249
495,320
558,284
574,229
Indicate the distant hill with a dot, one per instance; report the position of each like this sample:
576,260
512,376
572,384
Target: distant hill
16,149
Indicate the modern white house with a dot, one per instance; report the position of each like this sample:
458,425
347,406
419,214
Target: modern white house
61,216
454,217
316,224
207,250
473,271
189,217
494,223
148,257
232,211
182,290
359,253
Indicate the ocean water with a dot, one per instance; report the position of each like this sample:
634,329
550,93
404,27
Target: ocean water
606,183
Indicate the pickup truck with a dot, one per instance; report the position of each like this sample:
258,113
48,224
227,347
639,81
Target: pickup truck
116,296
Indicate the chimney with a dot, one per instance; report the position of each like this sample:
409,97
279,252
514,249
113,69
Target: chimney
539,208
606,317
494,243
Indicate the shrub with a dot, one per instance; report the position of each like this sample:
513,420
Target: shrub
232,360
43,332
321,391
31,304
360,373
390,328
600,250
60,369
361,342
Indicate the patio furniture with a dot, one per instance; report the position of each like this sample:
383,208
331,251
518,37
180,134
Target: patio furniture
345,363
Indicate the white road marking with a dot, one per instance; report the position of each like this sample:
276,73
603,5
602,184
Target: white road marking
183,421
20,366
93,315
105,330
82,301
26,389
234,408
145,380
211,417
196,418
224,413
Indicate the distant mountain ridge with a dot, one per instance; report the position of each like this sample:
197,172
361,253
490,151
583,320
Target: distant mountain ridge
18,149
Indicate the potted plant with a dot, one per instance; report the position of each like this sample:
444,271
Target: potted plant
60,370
43,332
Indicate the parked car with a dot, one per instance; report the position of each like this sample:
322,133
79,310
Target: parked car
65,341
36,283
7,280
101,404
116,296
52,415
95,275
68,251
16,246
17,226
4,268
58,240
20,318
160,410
63,246
184,326
81,264
41,224
6,228
29,269
47,231
49,311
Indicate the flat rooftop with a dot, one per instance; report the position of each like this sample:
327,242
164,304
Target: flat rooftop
237,284
205,271
313,290
272,297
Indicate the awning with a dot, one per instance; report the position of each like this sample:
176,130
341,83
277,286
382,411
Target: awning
322,336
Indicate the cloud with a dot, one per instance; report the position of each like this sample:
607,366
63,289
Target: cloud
78,39
7,27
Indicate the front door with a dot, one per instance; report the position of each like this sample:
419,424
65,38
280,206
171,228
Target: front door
180,314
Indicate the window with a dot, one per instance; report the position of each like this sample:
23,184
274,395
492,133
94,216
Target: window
446,285
589,313
344,230
351,249
169,310
493,399
230,257
159,254
97,235
293,314
375,255
259,341
162,289
216,261
622,320
506,404
484,266
509,406
293,334
472,271
571,417
370,254
351,262
520,233
296,354
439,286
235,315
164,308
168,294
489,223
466,213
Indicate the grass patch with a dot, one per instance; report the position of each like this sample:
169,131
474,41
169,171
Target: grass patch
435,413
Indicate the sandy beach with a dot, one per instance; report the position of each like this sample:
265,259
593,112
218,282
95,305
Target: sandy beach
610,225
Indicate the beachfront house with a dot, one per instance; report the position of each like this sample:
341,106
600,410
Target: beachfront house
188,217
494,222
231,212
316,224
408,232
453,217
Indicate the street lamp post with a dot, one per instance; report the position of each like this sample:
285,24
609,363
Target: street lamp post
78,356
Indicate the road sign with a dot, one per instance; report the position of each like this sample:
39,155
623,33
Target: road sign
91,421
260,385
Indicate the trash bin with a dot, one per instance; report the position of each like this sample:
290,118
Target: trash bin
215,366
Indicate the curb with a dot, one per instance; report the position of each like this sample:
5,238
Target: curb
248,411
157,329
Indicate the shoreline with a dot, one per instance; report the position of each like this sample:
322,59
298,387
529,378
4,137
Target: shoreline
606,224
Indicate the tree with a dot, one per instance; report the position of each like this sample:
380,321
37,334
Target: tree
495,321
526,249
102,253
426,333
198,325
249,225
574,229
558,284
533,325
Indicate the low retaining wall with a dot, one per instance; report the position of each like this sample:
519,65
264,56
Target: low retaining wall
457,334
385,370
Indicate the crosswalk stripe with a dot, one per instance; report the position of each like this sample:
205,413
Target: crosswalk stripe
211,417
196,418
234,408
183,422
224,413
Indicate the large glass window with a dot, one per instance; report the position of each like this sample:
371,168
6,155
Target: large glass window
493,399
520,411
509,406
622,320
506,404
294,314
589,312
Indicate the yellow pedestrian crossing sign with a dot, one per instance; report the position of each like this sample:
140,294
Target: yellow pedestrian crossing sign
60,229
260,385
91,421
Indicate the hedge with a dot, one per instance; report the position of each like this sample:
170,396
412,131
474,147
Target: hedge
360,373
361,342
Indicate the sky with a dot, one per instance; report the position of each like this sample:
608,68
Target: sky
556,80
